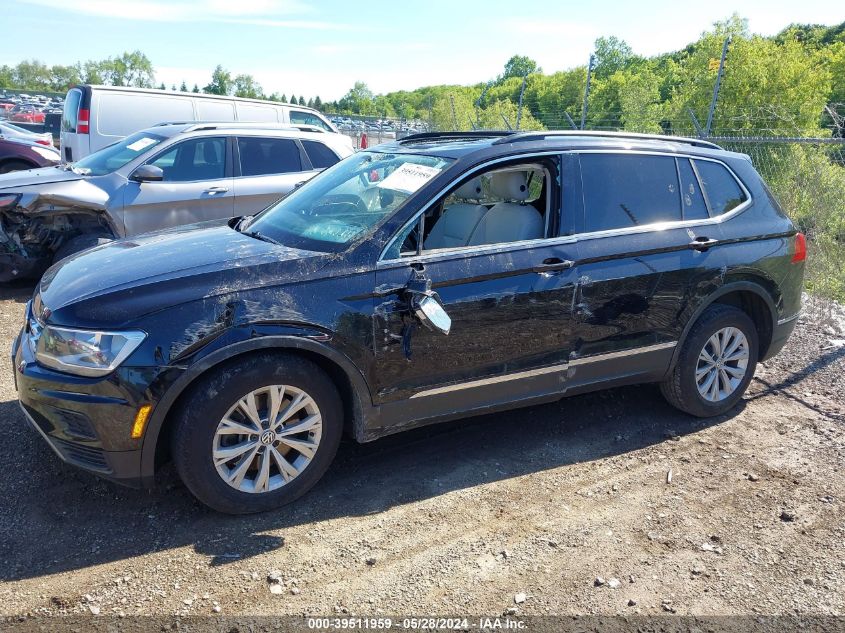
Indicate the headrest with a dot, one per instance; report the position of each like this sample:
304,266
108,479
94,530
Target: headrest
509,185
470,190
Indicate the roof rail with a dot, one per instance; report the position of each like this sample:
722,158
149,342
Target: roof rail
217,125
474,134
517,137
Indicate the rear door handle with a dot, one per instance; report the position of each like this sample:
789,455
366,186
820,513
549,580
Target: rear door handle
213,190
702,243
552,264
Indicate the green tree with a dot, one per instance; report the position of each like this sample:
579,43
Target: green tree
129,69
32,75
519,66
63,77
301,100
292,99
183,87
221,82
612,55
246,86
358,100
317,105
162,86
7,77
195,89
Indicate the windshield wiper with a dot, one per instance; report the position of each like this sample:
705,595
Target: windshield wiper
257,235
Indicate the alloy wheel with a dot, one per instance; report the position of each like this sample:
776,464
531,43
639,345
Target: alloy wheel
267,438
722,364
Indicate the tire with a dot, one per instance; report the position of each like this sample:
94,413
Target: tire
683,387
15,165
200,418
79,243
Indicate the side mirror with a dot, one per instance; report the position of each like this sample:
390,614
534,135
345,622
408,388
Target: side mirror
428,309
148,173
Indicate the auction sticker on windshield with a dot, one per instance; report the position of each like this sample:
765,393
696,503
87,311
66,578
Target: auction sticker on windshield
409,177
141,143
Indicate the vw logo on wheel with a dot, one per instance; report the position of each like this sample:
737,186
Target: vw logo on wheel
268,437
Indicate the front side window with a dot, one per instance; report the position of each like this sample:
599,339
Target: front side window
498,206
197,159
263,156
721,188
115,156
629,190
347,201
297,117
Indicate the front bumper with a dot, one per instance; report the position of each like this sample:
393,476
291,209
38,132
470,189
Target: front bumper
86,421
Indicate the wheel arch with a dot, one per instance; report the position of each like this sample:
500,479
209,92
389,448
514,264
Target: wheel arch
14,159
749,296
353,389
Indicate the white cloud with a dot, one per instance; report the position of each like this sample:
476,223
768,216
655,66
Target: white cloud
269,13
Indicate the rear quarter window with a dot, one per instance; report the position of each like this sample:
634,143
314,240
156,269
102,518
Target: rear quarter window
720,187
629,190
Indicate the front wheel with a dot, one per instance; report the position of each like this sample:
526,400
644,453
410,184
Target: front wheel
716,363
257,434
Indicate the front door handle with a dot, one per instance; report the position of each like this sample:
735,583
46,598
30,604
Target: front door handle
214,190
702,243
552,264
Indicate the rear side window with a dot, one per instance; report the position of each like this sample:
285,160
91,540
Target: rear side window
694,207
265,156
298,117
320,155
629,190
720,187
70,112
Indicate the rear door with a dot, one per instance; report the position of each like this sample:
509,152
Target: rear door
643,216
197,186
73,141
267,169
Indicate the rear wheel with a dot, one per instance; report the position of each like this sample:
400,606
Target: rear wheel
258,433
716,363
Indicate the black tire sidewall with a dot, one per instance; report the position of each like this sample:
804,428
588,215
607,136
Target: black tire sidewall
15,165
211,399
713,320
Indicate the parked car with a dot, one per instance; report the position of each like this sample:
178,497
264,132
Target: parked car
433,278
15,132
165,176
17,154
97,116
26,114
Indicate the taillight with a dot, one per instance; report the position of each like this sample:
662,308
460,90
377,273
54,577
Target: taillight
42,141
82,121
799,254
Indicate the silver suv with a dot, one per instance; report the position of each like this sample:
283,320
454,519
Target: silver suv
164,176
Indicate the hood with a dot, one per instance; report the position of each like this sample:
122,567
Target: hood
125,279
36,177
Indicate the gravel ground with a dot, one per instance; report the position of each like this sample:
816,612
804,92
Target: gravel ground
609,503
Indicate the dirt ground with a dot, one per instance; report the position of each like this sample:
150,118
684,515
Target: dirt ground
610,503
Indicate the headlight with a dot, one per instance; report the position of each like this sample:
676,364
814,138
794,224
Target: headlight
85,352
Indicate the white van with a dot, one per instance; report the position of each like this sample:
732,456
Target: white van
97,116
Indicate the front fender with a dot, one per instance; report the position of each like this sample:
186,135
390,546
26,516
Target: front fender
313,341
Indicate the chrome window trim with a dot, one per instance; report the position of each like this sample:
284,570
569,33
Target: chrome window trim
551,241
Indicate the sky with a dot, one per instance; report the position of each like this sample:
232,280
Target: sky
323,47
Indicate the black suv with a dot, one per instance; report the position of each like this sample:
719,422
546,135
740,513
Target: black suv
433,278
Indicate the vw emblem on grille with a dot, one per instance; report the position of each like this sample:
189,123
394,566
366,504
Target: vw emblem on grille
268,437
